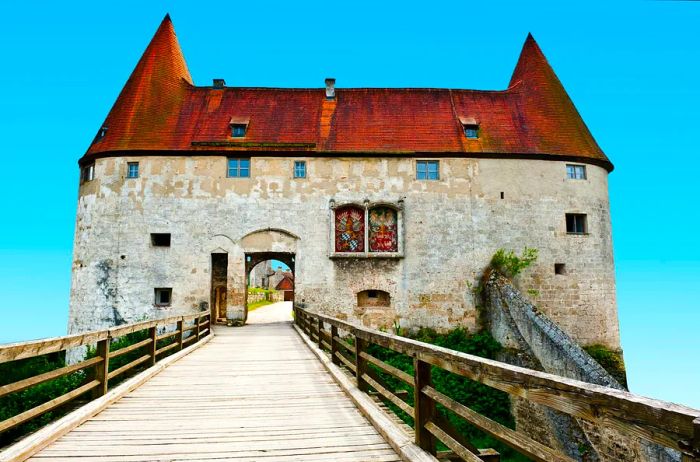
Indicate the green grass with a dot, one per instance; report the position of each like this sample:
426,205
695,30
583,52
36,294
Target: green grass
259,304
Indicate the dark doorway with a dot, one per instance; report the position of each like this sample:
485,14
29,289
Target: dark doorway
219,278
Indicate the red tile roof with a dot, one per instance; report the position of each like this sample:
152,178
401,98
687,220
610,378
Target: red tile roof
161,111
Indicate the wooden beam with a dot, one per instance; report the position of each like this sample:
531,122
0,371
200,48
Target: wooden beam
451,443
389,369
47,406
516,440
424,407
360,365
46,376
130,348
102,368
21,350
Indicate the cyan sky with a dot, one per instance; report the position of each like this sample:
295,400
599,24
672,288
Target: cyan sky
631,68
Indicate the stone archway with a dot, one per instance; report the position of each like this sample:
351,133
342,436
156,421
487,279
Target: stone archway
267,244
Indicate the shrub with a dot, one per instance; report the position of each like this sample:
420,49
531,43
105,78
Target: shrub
610,360
509,264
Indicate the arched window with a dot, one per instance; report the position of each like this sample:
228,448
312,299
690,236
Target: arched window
383,230
350,229
368,298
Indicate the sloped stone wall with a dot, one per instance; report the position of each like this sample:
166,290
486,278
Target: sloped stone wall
531,339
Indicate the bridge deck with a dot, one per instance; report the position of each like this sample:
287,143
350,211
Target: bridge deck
251,393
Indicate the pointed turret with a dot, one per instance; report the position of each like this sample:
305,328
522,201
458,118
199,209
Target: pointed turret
532,65
151,97
553,123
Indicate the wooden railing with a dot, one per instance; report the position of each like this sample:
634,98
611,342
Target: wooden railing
98,367
666,424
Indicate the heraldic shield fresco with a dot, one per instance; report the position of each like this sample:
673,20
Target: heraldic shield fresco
383,235
350,229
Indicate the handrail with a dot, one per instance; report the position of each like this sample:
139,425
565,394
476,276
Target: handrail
98,367
670,425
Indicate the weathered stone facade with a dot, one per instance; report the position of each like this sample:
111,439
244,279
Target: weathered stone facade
452,227
436,179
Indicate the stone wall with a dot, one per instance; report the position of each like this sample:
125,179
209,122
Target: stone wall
451,228
531,339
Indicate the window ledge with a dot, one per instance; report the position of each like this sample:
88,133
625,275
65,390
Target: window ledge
366,255
578,234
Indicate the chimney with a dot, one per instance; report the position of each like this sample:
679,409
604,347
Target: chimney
330,88
219,83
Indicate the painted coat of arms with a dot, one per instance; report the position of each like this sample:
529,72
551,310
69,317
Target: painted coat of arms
350,230
383,235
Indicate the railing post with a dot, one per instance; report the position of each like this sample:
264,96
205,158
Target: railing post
334,346
196,328
360,363
180,326
320,337
207,320
424,407
102,368
153,334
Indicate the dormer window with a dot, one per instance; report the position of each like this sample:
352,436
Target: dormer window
239,127
100,134
470,127
471,131
238,130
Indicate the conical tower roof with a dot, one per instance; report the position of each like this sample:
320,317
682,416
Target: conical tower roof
154,93
554,123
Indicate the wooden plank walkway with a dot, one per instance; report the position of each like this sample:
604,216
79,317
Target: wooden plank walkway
251,393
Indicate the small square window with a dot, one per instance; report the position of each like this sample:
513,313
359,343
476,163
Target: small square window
559,268
576,172
87,173
163,296
238,130
471,131
238,168
160,239
132,170
427,170
576,223
299,169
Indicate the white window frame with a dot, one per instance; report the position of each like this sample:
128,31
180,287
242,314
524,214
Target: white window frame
238,167
128,170
427,163
302,163
576,168
87,173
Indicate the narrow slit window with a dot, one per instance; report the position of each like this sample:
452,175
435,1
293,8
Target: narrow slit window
160,239
299,169
132,170
427,170
238,168
575,172
576,223
163,296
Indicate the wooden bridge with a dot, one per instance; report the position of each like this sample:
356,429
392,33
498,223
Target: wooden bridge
303,391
